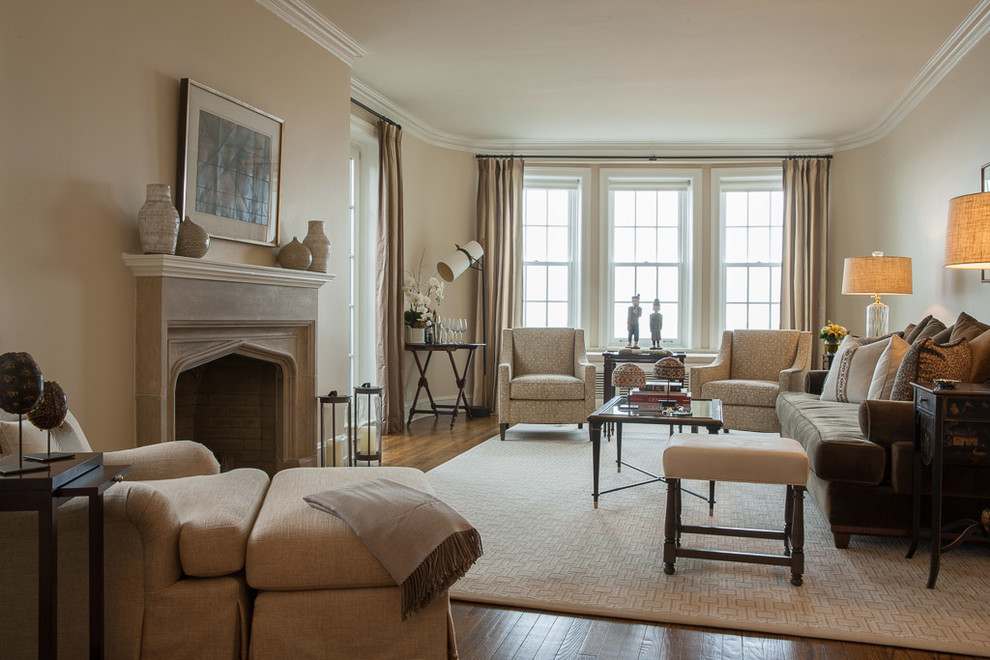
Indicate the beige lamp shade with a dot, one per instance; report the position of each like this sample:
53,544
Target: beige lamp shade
967,237
458,261
877,275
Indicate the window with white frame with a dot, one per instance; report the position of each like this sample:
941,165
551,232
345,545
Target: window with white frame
362,231
751,212
550,229
649,226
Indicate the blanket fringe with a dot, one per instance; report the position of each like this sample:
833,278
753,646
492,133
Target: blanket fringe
442,568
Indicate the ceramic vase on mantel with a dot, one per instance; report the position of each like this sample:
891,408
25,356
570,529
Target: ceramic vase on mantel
319,246
193,241
158,221
295,255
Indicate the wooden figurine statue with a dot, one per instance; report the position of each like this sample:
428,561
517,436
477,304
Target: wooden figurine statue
656,324
632,322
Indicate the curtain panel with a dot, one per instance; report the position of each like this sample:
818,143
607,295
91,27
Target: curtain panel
389,326
499,230
805,254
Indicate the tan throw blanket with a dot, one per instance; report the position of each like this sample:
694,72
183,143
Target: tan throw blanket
424,544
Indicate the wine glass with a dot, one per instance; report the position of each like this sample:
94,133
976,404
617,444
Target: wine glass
462,328
444,325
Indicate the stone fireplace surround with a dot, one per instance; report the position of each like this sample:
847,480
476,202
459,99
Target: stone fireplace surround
191,312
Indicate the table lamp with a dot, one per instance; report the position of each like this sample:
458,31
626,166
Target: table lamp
967,236
876,276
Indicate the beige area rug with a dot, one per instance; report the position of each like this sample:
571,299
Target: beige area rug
546,547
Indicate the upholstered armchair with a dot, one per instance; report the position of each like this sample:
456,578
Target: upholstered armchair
175,541
751,369
544,377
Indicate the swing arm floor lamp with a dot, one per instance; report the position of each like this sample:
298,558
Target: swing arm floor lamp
471,256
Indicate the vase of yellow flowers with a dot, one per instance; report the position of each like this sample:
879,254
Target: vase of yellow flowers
422,300
832,334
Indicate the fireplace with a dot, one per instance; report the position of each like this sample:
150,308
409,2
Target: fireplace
226,356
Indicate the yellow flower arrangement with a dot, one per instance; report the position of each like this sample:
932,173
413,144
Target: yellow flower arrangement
832,333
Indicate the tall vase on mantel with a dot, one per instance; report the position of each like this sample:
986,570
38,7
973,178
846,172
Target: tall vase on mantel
319,246
158,221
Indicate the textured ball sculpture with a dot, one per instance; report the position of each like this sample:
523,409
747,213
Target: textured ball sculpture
21,383
669,368
51,410
628,375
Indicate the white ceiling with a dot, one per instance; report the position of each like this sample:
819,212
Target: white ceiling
686,75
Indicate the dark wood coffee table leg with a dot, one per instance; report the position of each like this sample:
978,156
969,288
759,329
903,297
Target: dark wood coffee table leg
595,430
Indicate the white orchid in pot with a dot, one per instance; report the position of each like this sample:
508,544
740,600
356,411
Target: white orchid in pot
422,300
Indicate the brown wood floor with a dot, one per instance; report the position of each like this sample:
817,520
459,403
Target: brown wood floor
488,631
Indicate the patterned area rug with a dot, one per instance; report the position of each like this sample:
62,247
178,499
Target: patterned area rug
546,547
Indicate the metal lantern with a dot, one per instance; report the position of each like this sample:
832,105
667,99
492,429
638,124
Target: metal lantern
366,430
334,403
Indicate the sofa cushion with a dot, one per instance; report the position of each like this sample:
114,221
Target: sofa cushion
931,329
981,358
915,330
761,393
66,437
216,513
886,370
852,370
296,547
926,360
829,432
966,327
546,386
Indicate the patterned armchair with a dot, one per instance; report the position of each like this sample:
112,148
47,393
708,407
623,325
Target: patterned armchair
751,369
544,377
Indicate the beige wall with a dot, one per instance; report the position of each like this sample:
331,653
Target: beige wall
893,195
90,115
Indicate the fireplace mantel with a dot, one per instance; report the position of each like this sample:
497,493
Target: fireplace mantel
166,265
191,311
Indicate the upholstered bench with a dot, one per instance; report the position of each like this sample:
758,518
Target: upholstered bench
751,459
321,593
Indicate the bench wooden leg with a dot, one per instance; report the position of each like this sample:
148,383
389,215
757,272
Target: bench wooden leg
797,538
501,430
670,526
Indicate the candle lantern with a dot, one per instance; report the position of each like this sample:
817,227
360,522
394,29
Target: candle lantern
338,409
367,426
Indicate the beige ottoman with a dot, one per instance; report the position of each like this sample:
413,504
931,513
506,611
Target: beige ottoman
321,593
751,459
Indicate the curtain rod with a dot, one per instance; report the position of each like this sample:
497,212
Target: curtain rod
377,114
652,158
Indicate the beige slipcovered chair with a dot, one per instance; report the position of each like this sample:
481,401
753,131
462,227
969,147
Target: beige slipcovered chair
751,369
175,544
544,377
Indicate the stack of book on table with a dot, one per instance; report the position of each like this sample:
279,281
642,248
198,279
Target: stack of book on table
657,395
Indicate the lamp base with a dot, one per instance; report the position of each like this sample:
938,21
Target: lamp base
876,319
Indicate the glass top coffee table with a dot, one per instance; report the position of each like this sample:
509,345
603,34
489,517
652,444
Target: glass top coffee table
703,413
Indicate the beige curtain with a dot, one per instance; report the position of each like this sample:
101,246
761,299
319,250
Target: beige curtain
389,330
805,257
500,192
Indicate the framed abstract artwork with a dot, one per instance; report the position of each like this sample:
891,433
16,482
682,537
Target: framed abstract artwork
229,166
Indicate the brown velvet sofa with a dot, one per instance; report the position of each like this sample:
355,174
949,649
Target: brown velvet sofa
861,456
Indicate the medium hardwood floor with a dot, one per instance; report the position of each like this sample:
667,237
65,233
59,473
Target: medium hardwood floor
488,631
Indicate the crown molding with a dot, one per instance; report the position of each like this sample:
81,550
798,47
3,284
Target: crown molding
959,43
315,25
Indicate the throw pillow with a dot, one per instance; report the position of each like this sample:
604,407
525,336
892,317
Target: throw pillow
981,358
926,361
967,327
932,328
909,337
943,337
886,370
852,370
908,329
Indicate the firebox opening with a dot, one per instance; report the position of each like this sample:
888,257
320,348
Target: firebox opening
233,406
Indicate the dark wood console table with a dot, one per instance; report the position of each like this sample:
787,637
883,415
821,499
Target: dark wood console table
460,378
613,358
84,475
950,425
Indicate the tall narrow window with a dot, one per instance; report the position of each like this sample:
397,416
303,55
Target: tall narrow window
751,212
362,196
551,209
352,224
649,223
